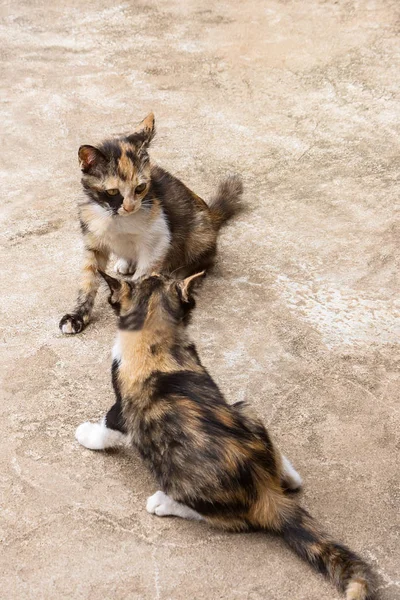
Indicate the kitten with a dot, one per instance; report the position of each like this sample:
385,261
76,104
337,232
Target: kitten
143,215
212,461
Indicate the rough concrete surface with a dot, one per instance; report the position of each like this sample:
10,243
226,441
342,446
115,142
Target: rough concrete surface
300,318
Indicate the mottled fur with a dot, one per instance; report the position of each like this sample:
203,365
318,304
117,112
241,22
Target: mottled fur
144,215
212,461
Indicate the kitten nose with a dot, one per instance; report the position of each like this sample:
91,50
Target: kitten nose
129,205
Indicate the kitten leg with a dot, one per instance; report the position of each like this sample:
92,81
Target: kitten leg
109,433
163,506
76,321
291,480
124,267
142,269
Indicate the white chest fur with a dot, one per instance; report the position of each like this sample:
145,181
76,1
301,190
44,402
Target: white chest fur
116,351
136,238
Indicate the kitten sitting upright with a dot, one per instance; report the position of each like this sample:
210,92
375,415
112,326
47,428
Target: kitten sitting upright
212,461
144,215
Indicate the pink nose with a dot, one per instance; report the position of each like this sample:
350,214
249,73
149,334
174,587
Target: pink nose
128,206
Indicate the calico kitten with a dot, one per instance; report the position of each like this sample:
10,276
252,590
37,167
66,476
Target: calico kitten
144,215
212,461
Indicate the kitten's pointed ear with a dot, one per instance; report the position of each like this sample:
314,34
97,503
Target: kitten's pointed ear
145,132
90,158
148,123
186,286
113,283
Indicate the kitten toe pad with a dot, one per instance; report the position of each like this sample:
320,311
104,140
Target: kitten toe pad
71,324
156,501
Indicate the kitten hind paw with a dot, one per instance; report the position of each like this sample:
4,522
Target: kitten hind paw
162,505
291,479
156,501
91,435
71,324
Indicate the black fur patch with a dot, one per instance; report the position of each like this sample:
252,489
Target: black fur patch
114,418
174,311
178,353
134,320
114,202
84,304
140,138
212,509
111,149
116,306
114,379
199,387
75,320
84,226
133,157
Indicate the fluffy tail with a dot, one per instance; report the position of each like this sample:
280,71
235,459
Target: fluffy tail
342,566
227,201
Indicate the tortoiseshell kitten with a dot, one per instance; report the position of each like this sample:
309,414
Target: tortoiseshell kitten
212,461
144,215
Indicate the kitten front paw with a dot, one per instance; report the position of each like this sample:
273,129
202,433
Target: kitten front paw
124,267
91,435
156,502
72,324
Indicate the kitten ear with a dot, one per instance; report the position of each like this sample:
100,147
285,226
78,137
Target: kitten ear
90,158
113,283
186,286
145,132
147,127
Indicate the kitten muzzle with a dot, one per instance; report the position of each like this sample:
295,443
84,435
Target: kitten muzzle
130,206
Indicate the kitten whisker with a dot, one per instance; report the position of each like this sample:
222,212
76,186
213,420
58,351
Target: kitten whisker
175,270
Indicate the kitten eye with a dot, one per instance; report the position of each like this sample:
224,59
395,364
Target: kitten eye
112,192
140,188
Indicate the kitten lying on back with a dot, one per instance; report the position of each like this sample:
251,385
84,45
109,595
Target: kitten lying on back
212,461
143,215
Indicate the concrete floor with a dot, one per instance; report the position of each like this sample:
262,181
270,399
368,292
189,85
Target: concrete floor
301,317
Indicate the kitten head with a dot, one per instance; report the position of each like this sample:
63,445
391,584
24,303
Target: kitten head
152,301
116,175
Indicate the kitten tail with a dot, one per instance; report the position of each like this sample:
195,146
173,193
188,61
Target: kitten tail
227,201
342,566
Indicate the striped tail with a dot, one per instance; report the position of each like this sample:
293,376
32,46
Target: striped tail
342,566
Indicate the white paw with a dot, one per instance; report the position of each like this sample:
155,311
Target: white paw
157,504
295,481
292,478
73,323
124,267
91,435
67,328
